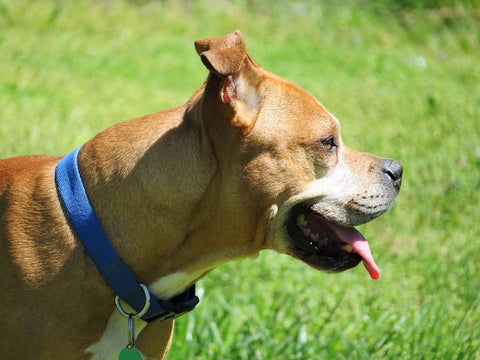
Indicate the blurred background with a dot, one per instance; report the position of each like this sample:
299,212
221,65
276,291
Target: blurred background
403,77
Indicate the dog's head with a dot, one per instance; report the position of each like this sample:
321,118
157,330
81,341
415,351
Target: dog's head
293,163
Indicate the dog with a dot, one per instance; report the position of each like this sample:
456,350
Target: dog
250,162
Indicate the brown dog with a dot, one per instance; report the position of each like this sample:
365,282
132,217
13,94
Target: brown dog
251,162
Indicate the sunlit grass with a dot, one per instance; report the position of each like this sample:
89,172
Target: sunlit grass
404,84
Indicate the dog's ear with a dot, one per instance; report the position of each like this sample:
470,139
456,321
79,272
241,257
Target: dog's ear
223,55
228,59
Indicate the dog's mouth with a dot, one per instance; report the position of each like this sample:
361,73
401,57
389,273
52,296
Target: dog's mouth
328,246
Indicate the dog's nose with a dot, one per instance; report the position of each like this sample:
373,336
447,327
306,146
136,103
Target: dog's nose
394,170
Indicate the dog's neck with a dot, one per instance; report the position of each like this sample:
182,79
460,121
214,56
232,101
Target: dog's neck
145,197
158,201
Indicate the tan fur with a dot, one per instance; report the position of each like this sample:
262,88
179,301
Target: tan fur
182,190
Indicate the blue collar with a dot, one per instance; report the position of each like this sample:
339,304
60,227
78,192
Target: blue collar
113,269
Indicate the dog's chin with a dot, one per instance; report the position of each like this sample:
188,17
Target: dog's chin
314,241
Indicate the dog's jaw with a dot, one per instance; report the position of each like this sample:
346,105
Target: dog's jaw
335,202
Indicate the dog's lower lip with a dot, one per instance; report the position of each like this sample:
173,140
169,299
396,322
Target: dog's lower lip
311,232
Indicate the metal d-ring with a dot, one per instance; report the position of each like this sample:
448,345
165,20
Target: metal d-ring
141,312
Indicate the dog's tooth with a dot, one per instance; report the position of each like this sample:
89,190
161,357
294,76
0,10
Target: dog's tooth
348,248
301,220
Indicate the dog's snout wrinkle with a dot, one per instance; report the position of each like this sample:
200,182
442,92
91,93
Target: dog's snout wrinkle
394,170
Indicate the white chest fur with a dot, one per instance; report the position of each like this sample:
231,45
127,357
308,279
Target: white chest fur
115,336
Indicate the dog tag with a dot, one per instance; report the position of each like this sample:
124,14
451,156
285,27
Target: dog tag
130,354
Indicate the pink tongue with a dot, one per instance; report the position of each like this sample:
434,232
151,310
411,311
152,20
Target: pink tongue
360,245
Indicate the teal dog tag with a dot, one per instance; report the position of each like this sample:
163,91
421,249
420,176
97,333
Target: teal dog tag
130,354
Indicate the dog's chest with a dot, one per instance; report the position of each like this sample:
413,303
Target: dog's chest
115,335
114,338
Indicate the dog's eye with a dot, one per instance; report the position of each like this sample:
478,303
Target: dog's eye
329,144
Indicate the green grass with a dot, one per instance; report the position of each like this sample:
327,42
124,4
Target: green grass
404,83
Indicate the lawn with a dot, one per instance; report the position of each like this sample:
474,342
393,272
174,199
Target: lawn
404,80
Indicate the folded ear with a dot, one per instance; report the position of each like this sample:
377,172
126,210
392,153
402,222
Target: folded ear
237,76
223,55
